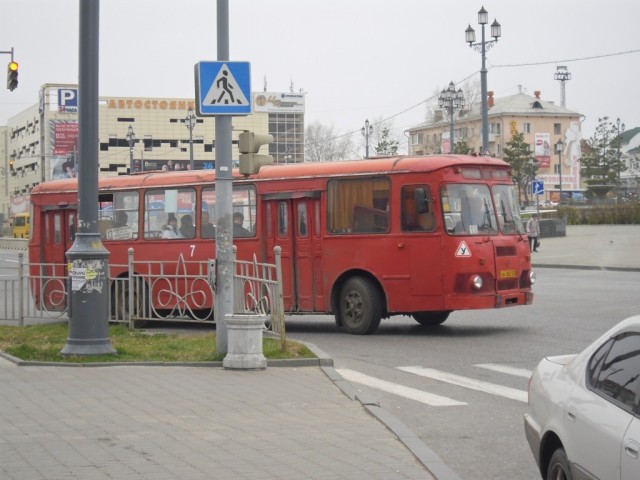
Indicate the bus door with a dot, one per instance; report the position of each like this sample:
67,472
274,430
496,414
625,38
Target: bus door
58,234
56,237
293,224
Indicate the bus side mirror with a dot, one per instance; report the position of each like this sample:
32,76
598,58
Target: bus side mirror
420,197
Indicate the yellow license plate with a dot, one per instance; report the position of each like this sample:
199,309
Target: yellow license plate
508,274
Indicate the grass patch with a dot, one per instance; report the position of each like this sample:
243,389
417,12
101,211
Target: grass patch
44,342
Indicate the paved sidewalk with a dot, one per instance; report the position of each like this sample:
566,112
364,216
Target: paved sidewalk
148,422
615,247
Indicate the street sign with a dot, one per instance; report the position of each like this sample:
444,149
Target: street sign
223,88
537,187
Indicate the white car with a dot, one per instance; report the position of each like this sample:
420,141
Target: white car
584,413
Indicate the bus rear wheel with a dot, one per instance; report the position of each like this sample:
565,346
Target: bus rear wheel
429,319
360,307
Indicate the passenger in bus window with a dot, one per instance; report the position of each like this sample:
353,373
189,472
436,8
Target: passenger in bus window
187,230
302,225
121,219
207,230
170,230
238,229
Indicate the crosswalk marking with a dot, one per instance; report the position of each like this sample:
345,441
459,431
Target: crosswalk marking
396,389
492,388
518,372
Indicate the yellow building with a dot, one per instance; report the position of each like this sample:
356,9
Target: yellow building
543,123
40,143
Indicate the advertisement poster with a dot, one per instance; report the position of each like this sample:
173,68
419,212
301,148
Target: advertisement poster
64,145
542,149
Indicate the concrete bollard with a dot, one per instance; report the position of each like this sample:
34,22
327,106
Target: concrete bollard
244,342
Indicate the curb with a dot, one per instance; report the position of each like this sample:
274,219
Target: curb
586,267
425,455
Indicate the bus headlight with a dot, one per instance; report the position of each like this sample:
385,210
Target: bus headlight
532,277
476,282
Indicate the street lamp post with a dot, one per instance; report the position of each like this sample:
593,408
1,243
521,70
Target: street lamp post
131,138
190,122
366,131
620,127
482,47
559,148
451,99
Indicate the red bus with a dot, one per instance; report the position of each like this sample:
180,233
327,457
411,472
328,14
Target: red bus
362,240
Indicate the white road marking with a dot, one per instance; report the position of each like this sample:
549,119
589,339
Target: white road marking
400,390
492,388
518,372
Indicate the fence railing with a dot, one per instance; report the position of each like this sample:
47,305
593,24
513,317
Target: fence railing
159,291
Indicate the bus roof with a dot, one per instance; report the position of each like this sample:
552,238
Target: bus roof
395,164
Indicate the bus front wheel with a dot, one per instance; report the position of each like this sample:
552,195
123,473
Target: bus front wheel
360,307
429,319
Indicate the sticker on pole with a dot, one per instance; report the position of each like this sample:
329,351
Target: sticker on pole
463,250
223,88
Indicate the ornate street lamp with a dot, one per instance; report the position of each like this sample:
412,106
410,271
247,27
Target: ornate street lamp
131,138
482,47
190,122
451,99
559,148
366,131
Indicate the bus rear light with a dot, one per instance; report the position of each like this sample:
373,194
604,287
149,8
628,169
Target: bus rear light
476,282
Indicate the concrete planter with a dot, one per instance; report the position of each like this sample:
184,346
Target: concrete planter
244,342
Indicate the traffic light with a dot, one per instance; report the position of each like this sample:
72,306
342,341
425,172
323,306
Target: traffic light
249,144
12,76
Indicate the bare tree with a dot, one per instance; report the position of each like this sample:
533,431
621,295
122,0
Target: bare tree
323,143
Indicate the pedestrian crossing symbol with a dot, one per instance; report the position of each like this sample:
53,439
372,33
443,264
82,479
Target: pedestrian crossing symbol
223,88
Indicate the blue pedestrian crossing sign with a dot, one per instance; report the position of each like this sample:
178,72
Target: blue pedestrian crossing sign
537,187
223,88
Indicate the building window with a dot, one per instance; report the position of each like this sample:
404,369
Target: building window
557,128
495,128
526,127
416,138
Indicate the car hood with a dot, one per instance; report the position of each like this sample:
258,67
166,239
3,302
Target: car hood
561,359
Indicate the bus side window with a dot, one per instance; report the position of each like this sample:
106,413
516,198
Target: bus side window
417,209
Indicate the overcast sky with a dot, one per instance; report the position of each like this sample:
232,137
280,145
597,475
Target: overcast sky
355,59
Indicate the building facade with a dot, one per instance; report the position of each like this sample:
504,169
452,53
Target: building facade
543,123
135,134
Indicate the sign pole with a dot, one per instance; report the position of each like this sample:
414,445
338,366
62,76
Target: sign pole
224,192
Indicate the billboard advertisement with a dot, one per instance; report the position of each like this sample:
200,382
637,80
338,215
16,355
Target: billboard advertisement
64,145
542,149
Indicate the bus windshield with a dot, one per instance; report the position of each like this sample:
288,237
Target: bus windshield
508,209
469,209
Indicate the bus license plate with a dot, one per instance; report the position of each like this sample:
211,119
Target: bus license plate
508,274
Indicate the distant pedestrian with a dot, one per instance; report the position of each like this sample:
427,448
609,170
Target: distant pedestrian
533,232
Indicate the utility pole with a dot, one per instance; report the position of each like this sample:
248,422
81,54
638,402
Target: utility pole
88,282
